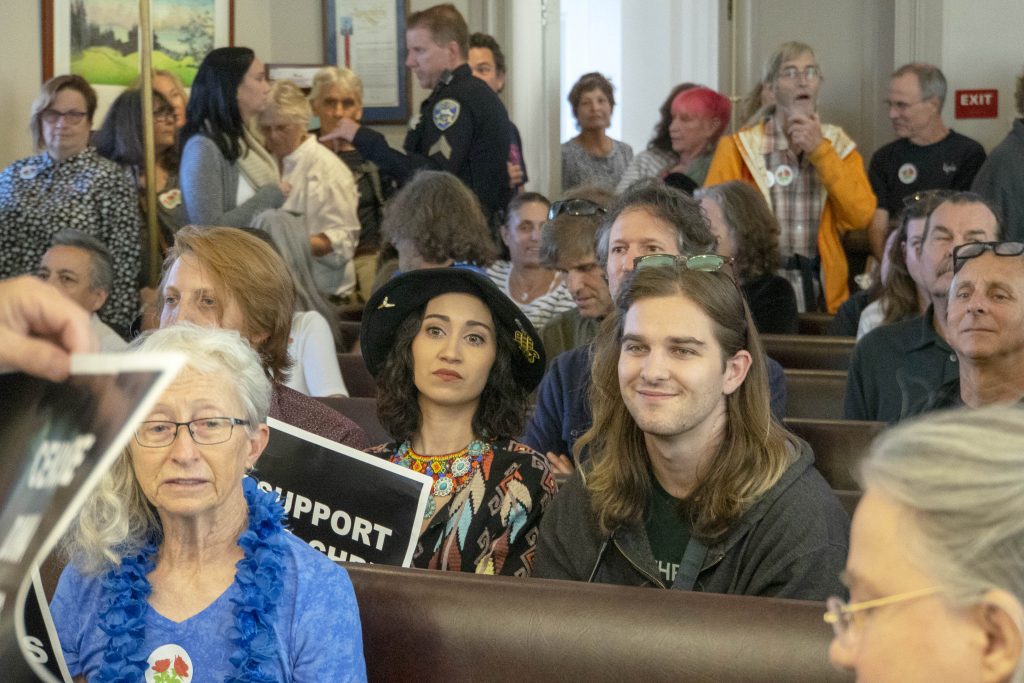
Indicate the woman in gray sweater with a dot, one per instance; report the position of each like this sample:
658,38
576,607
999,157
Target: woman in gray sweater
227,178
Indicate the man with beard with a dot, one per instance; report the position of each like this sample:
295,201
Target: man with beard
895,369
810,173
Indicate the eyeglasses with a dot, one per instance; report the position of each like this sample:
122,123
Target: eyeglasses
791,73
703,262
841,615
206,431
900,106
574,207
166,114
965,252
72,117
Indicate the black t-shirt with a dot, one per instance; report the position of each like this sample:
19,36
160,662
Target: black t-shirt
901,168
668,531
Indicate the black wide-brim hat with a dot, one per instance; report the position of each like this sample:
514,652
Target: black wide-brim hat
408,293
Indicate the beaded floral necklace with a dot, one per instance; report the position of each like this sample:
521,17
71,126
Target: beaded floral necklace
258,575
450,472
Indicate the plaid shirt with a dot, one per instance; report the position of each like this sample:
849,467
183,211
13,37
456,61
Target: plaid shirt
797,206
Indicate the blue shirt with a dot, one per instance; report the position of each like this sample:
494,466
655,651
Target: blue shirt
317,630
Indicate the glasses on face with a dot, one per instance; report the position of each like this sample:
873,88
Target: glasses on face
574,207
791,73
165,114
965,252
206,431
72,117
842,615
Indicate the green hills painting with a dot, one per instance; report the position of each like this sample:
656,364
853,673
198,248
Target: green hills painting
105,43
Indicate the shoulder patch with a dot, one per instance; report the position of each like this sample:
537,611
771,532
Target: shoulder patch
446,113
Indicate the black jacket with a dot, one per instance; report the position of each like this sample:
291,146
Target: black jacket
791,543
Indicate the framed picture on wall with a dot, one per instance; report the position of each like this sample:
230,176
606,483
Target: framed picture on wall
368,36
98,39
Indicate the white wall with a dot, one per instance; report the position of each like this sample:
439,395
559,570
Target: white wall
21,54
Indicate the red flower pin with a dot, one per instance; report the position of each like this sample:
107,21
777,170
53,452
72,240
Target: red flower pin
180,667
161,665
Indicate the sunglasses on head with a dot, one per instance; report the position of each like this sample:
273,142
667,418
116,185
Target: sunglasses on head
965,252
704,262
574,207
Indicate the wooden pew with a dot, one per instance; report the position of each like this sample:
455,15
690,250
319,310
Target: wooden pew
815,394
838,446
814,323
799,352
358,380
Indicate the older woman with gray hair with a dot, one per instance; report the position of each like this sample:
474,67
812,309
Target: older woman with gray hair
180,563
936,562
323,188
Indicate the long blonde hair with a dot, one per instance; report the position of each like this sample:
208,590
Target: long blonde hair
755,450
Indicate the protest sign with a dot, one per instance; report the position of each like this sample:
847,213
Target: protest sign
352,506
56,441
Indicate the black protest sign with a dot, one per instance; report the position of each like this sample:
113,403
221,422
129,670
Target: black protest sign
349,505
57,440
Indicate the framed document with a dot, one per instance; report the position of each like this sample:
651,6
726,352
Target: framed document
368,37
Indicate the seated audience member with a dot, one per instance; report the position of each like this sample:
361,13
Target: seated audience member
487,62
315,336
935,574
121,139
227,177
338,94
899,293
537,289
80,266
699,116
985,326
746,230
173,90
926,154
40,329
180,544
1001,178
895,368
323,188
655,161
648,218
809,172
692,484
592,156
226,277
567,244
436,221
68,185
455,360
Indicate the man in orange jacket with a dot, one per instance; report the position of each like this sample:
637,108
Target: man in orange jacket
810,173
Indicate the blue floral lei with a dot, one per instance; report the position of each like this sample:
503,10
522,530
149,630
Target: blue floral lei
258,575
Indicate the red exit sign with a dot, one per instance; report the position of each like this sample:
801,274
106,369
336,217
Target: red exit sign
977,104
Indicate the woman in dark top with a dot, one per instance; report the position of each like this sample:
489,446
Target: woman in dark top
746,230
455,360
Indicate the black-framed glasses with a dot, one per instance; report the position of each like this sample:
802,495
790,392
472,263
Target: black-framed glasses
574,207
965,252
205,431
52,116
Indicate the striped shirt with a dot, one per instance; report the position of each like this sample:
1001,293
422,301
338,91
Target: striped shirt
541,309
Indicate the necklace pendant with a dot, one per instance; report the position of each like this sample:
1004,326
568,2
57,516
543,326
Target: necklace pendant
443,486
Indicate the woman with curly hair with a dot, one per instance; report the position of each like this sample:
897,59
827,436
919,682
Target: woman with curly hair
592,156
455,360
745,229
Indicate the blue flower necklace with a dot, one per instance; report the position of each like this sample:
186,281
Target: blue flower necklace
258,575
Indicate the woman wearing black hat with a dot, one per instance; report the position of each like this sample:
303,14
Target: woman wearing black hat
455,360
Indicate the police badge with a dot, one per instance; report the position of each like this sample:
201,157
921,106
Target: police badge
446,113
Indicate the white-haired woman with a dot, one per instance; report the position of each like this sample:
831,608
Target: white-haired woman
181,565
936,563
323,189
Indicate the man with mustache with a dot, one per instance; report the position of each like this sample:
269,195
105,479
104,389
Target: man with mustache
810,173
895,369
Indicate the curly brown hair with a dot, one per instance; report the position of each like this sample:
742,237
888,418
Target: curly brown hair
503,405
754,227
442,218
588,82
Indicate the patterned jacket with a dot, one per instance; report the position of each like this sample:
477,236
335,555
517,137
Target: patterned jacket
491,525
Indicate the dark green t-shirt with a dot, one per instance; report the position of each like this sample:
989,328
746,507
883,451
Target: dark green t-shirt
668,530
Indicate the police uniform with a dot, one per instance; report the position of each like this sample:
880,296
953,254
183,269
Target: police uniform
463,129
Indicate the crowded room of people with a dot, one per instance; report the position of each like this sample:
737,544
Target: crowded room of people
604,340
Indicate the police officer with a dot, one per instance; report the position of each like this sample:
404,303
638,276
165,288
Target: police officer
463,126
